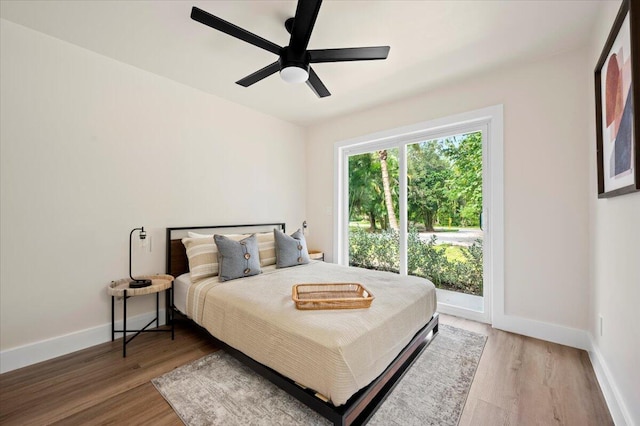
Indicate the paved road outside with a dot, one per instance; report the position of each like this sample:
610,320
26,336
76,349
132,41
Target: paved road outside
464,237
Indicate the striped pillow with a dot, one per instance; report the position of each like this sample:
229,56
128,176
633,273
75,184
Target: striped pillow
203,256
267,248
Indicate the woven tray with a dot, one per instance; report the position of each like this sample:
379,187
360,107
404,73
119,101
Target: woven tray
331,296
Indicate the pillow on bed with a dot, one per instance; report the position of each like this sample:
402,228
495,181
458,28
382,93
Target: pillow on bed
237,259
203,258
202,254
267,248
196,235
290,250
266,245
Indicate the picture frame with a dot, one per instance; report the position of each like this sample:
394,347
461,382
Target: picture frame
617,93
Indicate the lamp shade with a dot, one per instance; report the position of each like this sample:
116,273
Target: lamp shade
293,74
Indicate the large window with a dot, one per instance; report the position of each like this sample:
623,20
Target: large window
413,201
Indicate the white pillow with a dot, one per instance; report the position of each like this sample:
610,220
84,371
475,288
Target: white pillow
267,248
196,235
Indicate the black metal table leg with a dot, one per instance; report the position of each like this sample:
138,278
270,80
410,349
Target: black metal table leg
124,326
173,323
113,319
116,290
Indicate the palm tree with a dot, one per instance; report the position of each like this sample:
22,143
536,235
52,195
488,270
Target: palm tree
393,222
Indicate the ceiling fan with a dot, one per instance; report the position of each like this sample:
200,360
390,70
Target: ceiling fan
293,60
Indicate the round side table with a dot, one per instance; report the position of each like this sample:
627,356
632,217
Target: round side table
121,289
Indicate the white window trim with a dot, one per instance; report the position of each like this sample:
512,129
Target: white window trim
490,121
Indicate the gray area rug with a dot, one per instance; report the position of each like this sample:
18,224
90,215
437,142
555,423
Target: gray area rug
219,390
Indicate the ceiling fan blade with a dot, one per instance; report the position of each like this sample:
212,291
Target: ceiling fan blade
305,19
348,54
233,30
316,85
259,75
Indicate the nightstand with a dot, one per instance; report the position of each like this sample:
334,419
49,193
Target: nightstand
121,289
316,255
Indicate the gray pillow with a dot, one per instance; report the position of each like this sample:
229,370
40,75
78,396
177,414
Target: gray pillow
237,259
290,250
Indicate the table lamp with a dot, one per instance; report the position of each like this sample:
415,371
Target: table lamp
136,283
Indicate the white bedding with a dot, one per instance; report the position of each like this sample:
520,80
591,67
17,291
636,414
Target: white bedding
334,352
180,289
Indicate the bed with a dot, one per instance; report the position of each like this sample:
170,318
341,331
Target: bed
340,363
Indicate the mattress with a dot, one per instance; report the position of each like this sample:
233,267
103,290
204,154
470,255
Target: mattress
333,352
180,290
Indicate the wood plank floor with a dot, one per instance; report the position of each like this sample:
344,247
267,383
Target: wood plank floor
520,381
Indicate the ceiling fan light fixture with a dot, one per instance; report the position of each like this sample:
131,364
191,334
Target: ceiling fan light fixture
294,74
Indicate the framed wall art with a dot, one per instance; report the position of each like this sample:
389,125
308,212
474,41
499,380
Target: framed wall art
617,78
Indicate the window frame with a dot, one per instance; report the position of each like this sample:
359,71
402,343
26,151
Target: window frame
487,120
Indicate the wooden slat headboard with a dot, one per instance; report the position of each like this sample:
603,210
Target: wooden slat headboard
177,262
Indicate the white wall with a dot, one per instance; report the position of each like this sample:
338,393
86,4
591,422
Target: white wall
76,126
546,198
91,148
615,270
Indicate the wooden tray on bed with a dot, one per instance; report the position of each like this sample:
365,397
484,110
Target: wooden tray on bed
331,296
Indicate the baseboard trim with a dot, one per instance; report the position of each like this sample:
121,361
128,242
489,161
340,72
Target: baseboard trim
544,331
22,356
617,408
457,311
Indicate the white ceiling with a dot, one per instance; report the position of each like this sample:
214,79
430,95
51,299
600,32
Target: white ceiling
431,42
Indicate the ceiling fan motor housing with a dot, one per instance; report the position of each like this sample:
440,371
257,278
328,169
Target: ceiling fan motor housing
290,59
294,68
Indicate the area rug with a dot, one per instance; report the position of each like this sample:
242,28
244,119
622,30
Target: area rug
219,390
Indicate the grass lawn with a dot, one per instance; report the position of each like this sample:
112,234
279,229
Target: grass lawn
453,253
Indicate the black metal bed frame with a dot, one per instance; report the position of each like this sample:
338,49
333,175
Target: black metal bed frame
364,403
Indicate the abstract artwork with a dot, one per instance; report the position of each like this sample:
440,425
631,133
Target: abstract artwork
616,93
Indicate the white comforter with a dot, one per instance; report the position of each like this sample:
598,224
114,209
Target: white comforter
334,352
